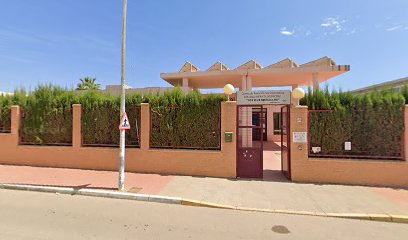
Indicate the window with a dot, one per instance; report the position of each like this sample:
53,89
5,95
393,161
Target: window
277,123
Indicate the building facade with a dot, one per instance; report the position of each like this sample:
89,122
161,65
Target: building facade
396,85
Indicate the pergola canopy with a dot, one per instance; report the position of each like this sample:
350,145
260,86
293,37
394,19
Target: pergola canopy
283,73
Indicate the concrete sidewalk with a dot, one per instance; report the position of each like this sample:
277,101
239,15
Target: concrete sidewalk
275,193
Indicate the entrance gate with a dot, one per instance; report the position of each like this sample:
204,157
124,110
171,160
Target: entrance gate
250,130
250,149
285,141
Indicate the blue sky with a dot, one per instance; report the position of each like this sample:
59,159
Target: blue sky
48,41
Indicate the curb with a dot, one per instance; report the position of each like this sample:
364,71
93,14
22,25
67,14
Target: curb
94,193
194,203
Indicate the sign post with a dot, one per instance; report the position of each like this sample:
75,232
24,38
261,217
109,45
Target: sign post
122,103
124,122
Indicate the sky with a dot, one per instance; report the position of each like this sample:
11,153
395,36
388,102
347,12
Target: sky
59,42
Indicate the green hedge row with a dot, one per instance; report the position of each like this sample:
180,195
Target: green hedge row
100,119
5,113
186,121
373,123
47,117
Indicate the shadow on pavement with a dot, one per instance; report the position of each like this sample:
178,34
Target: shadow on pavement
75,187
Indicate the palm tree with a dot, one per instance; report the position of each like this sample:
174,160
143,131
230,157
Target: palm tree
88,83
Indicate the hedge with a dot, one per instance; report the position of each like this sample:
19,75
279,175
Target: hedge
5,114
100,119
47,118
373,123
186,121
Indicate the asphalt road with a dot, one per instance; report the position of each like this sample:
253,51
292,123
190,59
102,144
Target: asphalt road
32,215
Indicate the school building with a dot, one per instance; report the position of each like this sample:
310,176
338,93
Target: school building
257,141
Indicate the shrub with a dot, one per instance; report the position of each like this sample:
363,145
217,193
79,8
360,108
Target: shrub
100,119
374,122
6,101
185,121
178,120
47,116
5,114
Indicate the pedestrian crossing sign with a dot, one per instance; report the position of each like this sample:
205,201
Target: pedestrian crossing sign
124,122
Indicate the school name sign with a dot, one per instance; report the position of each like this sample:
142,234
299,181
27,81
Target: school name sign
278,97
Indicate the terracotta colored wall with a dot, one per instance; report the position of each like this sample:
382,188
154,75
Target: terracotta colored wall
189,162
343,171
201,163
270,110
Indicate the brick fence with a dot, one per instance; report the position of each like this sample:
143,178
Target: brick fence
220,163
186,162
344,171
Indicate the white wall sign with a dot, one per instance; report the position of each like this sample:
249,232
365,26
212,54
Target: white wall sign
263,97
347,146
300,137
316,149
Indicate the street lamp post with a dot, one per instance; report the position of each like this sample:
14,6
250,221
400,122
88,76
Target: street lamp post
123,102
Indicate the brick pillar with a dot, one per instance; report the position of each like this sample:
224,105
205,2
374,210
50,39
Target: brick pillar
298,150
145,126
15,123
229,124
76,125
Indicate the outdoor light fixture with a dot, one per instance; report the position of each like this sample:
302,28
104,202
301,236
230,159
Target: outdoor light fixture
228,90
298,93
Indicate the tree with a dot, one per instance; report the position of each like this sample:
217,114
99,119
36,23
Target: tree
88,83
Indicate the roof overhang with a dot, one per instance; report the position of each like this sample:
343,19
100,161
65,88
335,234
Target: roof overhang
302,75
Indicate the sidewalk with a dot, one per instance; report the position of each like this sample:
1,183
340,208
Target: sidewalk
275,193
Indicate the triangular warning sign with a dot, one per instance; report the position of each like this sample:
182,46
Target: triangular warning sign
124,122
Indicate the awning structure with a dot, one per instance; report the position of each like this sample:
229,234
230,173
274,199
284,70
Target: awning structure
283,73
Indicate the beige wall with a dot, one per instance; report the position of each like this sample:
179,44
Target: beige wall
117,90
343,171
187,162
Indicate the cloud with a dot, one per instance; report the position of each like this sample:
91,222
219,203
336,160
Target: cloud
334,24
352,32
86,41
393,28
284,31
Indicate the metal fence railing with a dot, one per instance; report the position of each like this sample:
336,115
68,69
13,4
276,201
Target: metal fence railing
366,134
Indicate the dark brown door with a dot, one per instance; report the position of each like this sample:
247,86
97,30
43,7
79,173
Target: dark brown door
285,141
249,151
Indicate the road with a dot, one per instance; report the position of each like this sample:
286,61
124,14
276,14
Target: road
32,215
